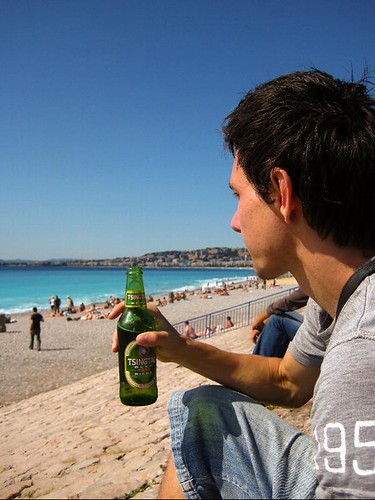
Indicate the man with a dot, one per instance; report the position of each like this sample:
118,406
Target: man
35,321
276,326
303,173
57,303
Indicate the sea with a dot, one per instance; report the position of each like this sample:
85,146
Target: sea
22,288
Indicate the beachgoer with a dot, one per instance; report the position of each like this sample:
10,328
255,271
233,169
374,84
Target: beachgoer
276,326
189,331
35,329
94,313
57,303
207,332
70,305
52,305
229,323
304,167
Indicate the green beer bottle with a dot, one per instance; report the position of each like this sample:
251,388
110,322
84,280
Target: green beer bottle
137,364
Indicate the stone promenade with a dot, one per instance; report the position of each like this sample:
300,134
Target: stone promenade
79,441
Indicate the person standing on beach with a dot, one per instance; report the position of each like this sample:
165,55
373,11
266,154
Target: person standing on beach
70,305
35,329
303,172
57,303
52,305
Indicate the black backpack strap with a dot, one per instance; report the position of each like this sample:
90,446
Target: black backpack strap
353,282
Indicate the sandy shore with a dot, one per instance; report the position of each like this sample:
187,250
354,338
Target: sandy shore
64,432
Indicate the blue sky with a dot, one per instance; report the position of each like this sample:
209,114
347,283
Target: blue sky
111,111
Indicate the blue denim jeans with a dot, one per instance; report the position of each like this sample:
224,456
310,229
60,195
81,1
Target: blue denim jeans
226,445
277,333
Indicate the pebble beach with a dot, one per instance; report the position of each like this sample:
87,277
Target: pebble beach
64,432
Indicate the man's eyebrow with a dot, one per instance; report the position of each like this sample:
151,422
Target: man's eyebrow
230,185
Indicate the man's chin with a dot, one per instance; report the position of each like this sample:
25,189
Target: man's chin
265,274
259,271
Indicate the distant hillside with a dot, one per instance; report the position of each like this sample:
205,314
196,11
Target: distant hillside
204,257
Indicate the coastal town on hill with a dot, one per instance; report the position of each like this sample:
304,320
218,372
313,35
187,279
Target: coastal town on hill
205,257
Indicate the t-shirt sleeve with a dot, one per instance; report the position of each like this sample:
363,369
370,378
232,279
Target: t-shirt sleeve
309,344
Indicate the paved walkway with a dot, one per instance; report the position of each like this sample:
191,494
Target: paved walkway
79,441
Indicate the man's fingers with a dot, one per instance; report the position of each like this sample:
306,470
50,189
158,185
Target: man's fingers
115,342
117,310
148,339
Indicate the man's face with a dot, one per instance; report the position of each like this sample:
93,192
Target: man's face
262,228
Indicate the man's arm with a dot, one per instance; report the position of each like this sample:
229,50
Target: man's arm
295,300
270,380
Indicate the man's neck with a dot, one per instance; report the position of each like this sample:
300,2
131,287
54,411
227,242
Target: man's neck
323,274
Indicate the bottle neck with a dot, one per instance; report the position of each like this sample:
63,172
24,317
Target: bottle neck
135,296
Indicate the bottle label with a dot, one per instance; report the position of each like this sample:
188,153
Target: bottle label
140,366
135,298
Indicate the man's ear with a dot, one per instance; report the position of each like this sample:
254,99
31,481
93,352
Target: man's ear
284,198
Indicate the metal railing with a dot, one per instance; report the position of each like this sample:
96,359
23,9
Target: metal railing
241,315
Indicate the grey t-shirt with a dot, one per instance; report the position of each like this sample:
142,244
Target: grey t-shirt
343,413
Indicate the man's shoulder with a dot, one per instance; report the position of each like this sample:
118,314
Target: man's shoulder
357,318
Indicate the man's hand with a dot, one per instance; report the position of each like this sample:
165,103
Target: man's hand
254,335
257,326
166,340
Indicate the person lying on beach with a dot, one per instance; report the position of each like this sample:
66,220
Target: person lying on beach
94,313
90,315
9,319
303,171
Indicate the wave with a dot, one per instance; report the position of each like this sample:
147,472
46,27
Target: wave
216,283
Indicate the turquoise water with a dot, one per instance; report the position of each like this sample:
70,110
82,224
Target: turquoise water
22,288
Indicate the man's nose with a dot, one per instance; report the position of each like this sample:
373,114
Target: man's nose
235,223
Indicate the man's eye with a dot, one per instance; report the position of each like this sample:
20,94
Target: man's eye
235,195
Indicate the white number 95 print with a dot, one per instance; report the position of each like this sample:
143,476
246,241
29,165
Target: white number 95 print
335,442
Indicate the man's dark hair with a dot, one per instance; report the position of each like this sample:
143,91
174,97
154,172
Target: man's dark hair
321,131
